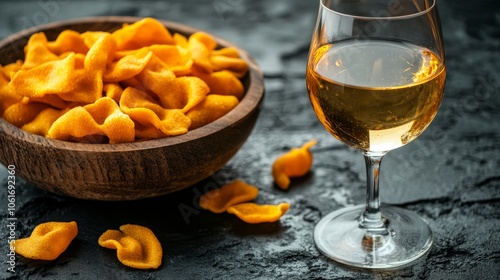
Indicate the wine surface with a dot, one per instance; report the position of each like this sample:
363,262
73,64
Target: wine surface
375,95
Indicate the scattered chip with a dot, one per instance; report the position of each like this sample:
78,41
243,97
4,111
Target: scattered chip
297,162
228,195
136,246
47,241
253,213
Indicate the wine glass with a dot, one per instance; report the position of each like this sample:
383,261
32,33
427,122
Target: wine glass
375,77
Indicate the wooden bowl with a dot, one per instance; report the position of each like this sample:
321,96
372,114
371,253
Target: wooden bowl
126,171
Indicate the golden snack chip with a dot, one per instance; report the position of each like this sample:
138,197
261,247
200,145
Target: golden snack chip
47,241
295,163
218,201
41,124
143,33
113,91
206,57
22,113
70,82
103,45
103,117
32,82
7,96
254,213
165,85
136,246
228,59
211,108
174,93
11,69
68,41
144,110
67,80
201,45
52,100
128,66
176,58
222,82
37,51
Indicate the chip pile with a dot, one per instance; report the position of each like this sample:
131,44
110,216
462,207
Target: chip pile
138,82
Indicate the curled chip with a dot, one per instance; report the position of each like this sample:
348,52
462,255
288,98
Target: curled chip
103,118
136,246
177,58
67,79
228,195
68,41
297,162
161,84
7,96
151,116
213,107
37,51
222,82
201,45
127,66
174,93
43,121
23,112
47,241
10,69
145,32
254,213
228,59
113,91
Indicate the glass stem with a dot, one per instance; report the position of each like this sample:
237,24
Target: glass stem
372,218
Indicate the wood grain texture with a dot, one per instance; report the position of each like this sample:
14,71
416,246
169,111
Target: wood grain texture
126,171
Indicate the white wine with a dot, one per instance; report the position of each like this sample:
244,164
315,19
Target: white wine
375,95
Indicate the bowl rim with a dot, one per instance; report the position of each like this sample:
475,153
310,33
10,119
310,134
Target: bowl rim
250,101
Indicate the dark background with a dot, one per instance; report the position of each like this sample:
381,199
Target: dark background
450,175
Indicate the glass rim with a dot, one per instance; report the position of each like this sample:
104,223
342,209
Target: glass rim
412,15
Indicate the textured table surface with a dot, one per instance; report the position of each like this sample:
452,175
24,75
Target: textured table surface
450,175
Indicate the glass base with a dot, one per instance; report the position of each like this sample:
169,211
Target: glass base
404,238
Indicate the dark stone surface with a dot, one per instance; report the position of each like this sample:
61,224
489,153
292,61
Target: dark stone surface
450,175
